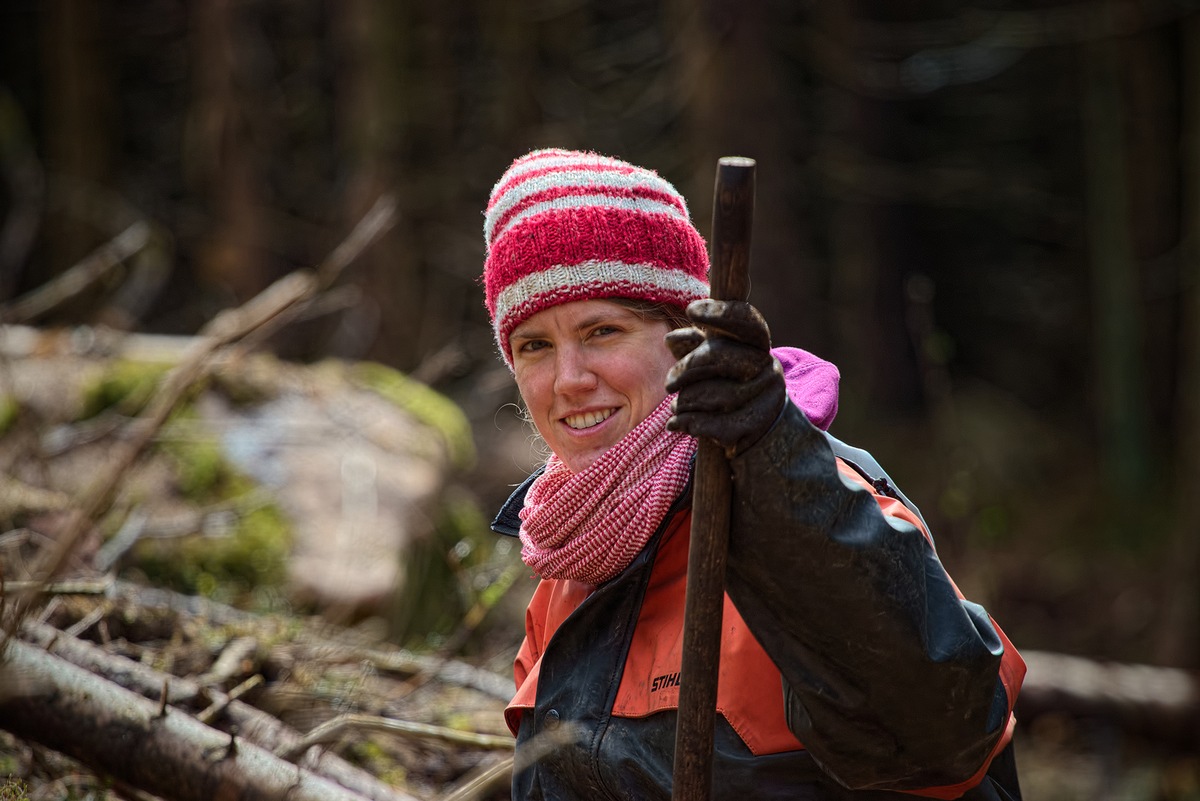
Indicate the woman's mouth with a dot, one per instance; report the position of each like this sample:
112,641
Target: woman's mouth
587,419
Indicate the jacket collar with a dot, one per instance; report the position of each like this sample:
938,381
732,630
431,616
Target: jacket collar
508,520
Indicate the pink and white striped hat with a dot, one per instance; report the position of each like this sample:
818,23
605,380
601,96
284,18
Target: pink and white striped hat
564,225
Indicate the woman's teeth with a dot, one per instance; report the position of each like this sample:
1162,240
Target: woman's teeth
587,419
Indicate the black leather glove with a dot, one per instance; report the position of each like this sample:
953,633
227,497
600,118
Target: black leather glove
730,387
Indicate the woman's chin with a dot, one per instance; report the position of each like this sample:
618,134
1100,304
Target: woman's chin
580,448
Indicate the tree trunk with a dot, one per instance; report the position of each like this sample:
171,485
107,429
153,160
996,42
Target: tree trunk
737,104
1116,290
373,43
79,99
854,253
1180,619
223,155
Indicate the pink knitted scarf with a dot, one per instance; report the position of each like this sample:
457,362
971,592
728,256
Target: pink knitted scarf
589,526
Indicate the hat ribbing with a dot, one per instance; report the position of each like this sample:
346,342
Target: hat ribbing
564,225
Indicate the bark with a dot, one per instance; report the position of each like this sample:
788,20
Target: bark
163,752
80,100
1179,621
853,245
374,43
227,122
251,724
1116,290
726,80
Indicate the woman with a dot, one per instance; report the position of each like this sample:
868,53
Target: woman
851,667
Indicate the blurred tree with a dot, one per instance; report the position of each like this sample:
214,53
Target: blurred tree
1179,592
372,124
229,137
80,106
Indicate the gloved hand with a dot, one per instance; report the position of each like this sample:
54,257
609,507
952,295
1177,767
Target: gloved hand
730,387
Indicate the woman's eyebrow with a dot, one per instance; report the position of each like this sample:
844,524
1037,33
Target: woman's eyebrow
603,318
526,332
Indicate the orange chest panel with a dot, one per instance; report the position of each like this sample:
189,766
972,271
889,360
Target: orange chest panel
749,687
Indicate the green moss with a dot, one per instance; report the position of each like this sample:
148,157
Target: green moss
460,519
13,790
459,721
125,386
244,564
9,409
202,472
232,568
427,405
371,756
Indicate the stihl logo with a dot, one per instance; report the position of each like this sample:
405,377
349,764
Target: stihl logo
664,681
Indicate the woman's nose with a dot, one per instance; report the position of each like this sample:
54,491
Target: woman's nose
573,371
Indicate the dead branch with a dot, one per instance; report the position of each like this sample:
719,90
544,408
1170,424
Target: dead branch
334,729
68,587
23,342
488,779
17,497
77,279
232,661
404,662
317,647
218,707
118,733
496,776
253,725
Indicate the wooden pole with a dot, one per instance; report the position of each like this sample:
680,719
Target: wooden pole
729,279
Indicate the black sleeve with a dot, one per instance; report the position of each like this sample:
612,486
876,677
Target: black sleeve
890,679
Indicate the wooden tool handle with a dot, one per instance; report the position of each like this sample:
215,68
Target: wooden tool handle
733,217
729,279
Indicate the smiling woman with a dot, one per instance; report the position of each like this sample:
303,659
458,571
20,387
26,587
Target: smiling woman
589,371
850,666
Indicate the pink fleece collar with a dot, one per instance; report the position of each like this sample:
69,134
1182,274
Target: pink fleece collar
812,384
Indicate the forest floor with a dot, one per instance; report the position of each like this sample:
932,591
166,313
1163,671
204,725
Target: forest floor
422,725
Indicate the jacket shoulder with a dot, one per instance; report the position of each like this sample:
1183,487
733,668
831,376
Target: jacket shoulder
863,463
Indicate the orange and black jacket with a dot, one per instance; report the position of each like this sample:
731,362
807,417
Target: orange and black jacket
851,666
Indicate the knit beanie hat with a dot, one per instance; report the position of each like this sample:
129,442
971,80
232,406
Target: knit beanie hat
564,225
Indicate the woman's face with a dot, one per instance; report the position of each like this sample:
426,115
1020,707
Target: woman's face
589,371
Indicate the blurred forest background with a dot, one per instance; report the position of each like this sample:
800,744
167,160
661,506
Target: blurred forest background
985,213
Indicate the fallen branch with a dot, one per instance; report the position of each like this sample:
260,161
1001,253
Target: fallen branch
447,671
218,707
334,729
252,724
77,279
316,647
495,777
118,733
101,586
231,662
